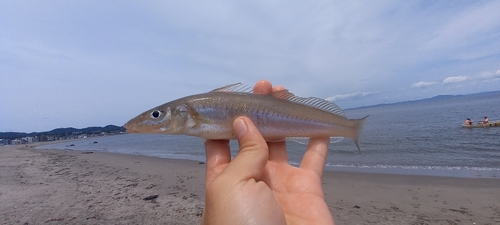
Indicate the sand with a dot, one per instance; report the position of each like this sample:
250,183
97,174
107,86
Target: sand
73,187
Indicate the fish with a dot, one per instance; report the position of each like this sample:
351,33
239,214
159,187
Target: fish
278,116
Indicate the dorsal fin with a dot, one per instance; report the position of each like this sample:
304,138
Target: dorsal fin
285,94
310,101
238,87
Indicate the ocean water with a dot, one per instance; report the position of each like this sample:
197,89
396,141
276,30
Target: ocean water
423,138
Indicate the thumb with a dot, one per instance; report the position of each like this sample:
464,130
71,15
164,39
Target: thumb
253,154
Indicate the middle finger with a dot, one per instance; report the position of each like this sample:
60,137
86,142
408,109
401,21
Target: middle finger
277,151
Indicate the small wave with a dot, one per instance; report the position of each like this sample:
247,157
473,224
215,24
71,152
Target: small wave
407,167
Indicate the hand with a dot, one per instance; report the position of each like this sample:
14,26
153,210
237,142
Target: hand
234,192
259,186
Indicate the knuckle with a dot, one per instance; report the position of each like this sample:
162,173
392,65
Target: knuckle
250,146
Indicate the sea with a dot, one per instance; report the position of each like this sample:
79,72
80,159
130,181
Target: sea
414,138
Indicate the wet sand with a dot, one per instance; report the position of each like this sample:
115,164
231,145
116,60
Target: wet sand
74,187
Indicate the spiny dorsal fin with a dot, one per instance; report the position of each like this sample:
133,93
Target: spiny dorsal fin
311,101
285,94
238,87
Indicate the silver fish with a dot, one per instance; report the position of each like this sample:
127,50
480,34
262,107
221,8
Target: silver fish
278,115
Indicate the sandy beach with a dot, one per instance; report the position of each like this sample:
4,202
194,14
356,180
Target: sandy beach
74,187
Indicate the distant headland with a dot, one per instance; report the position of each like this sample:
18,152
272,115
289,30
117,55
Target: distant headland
59,134
435,98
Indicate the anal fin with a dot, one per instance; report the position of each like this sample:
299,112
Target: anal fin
298,140
336,139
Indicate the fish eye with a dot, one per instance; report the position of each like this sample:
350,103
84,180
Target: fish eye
155,114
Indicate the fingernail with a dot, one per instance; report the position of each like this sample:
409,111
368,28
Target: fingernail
240,127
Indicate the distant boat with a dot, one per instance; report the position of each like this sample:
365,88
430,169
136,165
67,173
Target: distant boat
480,125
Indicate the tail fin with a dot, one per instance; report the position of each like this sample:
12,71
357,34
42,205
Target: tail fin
359,127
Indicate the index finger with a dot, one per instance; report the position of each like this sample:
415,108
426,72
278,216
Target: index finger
218,156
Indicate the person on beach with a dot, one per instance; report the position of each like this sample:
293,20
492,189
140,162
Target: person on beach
468,122
486,120
259,186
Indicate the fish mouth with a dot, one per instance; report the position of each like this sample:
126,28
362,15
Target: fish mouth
130,131
129,128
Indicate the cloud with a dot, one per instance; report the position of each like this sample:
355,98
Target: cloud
484,76
351,96
457,79
422,84
488,75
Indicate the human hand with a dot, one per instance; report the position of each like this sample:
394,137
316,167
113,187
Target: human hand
297,189
234,192
259,186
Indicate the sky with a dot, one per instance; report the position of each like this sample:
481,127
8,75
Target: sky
94,63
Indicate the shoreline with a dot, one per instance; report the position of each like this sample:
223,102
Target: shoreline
434,171
337,170
78,187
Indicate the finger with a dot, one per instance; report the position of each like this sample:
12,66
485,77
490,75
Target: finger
278,88
253,154
262,87
277,152
315,157
218,155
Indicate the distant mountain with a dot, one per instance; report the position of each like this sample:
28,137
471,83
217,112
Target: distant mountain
436,98
64,131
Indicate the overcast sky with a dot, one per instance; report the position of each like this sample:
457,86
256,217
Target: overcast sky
93,63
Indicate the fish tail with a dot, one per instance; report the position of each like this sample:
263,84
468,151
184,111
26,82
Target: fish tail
358,127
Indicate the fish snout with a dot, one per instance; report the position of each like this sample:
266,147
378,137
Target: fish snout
130,128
